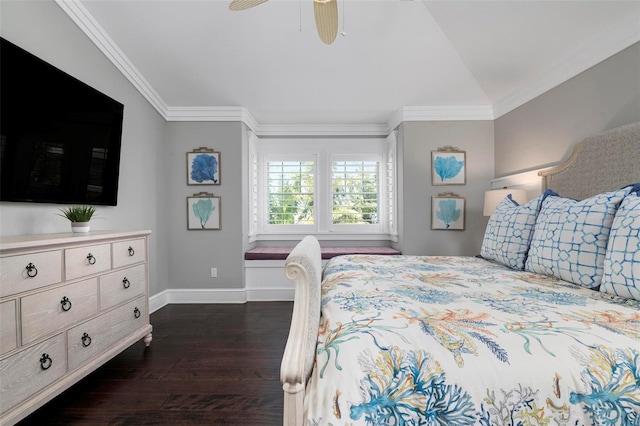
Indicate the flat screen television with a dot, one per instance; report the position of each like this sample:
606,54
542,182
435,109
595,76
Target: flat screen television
59,138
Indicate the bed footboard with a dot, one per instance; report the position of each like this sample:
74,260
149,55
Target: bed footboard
304,267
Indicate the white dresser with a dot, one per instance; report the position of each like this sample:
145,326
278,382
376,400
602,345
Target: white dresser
68,304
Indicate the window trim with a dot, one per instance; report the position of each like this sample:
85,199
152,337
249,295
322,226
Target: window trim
382,150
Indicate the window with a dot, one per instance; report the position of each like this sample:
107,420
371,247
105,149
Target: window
332,188
355,192
290,192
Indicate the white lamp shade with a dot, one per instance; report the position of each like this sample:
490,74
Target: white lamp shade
494,197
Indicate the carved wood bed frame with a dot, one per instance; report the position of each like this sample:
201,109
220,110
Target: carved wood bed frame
598,164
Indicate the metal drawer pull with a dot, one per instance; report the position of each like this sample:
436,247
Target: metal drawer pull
136,312
66,303
45,361
32,271
131,251
91,259
126,283
86,340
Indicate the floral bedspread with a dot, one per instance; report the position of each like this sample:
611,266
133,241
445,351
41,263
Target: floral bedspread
412,340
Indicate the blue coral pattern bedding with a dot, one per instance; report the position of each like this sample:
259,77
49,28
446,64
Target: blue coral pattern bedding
413,340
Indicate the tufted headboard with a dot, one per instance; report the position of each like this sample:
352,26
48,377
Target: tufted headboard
598,164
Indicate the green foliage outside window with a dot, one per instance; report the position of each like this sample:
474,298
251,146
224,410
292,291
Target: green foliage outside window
290,187
291,192
355,192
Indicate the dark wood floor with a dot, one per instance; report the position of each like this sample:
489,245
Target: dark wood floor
207,364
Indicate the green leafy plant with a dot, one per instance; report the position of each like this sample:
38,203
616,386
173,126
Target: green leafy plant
78,213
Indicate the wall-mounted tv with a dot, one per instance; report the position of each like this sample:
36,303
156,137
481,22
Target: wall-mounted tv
59,138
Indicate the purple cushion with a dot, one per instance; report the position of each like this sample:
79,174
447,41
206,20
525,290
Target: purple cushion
281,253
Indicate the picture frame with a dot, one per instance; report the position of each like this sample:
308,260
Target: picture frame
203,212
447,212
448,166
203,167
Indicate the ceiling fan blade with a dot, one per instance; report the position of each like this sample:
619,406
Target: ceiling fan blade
244,4
326,13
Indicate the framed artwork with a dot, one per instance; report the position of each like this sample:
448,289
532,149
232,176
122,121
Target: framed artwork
447,212
448,166
203,212
203,167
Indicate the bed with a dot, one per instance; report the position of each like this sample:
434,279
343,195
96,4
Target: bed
542,328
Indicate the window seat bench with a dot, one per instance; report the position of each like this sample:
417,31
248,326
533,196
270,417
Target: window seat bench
264,277
281,253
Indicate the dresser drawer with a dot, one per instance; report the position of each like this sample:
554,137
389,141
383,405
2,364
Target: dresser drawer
31,370
120,286
8,327
129,252
88,260
87,340
44,312
29,271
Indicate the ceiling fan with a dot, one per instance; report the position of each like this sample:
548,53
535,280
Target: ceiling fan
325,11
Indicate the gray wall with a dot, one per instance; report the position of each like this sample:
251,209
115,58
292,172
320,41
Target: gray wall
416,141
543,131
43,29
192,254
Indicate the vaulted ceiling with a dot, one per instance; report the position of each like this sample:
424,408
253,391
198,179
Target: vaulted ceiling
429,59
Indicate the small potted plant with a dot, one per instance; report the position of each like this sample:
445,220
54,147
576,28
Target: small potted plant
79,216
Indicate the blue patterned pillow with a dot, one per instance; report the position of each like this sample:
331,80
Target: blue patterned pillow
622,261
570,237
506,239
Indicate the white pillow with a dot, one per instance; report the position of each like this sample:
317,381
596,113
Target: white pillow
570,237
508,233
622,261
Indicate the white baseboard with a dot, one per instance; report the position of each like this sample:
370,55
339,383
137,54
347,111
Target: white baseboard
269,294
231,295
264,282
159,300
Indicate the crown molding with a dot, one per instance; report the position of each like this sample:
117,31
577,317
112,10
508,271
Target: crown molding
206,113
440,113
618,38
243,115
622,36
413,113
372,129
447,113
222,113
85,21
432,113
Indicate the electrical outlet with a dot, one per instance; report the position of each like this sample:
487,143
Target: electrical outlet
214,272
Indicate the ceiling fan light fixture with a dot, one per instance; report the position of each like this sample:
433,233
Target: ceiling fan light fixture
325,11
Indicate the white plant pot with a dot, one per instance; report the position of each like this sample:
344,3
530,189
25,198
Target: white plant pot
80,226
